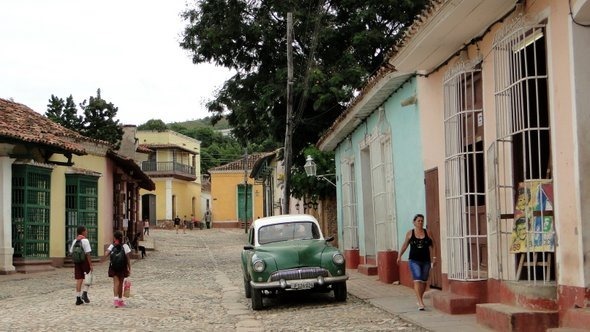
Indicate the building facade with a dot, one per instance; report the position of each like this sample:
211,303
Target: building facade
489,97
54,180
236,197
174,166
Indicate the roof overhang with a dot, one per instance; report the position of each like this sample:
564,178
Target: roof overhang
155,146
581,11
129,166
451,25
361,109
260,163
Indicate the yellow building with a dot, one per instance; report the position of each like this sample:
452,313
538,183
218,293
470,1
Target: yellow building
231,203
173,164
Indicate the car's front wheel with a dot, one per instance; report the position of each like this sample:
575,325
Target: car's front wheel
256,299
247,288
340,291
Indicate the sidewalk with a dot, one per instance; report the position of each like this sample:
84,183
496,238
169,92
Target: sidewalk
400,300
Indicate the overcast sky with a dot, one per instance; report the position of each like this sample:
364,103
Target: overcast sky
127,48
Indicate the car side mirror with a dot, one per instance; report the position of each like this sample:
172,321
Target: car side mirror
248,247
330,238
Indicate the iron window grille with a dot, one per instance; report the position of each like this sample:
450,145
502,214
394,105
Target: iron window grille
464,172
31,189
523,231
82,208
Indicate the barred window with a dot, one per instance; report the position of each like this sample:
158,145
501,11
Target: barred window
31,188
82,208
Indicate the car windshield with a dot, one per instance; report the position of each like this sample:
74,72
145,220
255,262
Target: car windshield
288,231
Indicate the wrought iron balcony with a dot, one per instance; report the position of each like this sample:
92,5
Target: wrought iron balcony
169,168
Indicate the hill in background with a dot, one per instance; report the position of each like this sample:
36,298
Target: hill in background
201,123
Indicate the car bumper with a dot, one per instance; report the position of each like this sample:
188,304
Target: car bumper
298,283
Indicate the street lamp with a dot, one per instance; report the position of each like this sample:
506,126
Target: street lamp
311,170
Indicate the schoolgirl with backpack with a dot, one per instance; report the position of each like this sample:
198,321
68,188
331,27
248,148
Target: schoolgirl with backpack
80,252
119,266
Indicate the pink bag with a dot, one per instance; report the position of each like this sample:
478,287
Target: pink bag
126,287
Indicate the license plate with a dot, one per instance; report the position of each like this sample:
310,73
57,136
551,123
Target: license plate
302,285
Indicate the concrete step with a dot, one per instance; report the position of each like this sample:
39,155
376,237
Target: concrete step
454,304
368,269
577,318
503,317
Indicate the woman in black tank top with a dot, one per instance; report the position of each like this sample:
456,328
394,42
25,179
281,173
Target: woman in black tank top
421,249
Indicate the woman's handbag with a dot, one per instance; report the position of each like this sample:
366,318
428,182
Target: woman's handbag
88,278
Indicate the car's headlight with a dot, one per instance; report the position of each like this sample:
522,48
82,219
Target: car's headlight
338,259
259,266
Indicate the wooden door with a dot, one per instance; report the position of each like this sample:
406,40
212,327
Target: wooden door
433,222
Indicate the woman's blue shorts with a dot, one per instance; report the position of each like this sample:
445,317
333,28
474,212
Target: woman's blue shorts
420,270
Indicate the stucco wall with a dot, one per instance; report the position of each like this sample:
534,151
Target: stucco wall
171,137
408,170
224,195
93,163
431,109
567,220
407,158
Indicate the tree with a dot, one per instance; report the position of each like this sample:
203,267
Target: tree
338,45
100,122
153,124
98,119
307,186
64,113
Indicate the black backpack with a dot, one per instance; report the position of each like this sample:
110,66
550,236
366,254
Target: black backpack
118,258
78,254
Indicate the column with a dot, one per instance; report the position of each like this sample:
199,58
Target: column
6,249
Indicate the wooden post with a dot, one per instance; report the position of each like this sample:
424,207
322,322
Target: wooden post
289,118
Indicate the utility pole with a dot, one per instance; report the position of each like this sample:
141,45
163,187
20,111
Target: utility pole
289,118
246,189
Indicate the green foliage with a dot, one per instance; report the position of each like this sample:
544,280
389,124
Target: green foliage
216,148
338,45
99,122
153,124
64,113
98,119
308,186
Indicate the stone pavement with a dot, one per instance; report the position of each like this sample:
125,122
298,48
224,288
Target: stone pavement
400,300
191,282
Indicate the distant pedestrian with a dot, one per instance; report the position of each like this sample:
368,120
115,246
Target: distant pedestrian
176,224
421,249
184,224
146,227
80,269
194,221
207,218
191,223
119,266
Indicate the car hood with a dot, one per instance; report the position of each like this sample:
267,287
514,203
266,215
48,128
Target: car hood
290,254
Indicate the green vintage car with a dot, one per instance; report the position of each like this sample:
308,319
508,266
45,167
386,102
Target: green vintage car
289,253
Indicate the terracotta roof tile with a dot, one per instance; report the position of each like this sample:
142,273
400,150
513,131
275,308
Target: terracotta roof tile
20,123
143,149
238,165
427,13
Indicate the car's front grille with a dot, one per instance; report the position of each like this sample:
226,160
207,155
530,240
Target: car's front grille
301,273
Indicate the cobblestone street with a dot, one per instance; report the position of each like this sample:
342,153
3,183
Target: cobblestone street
191,282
